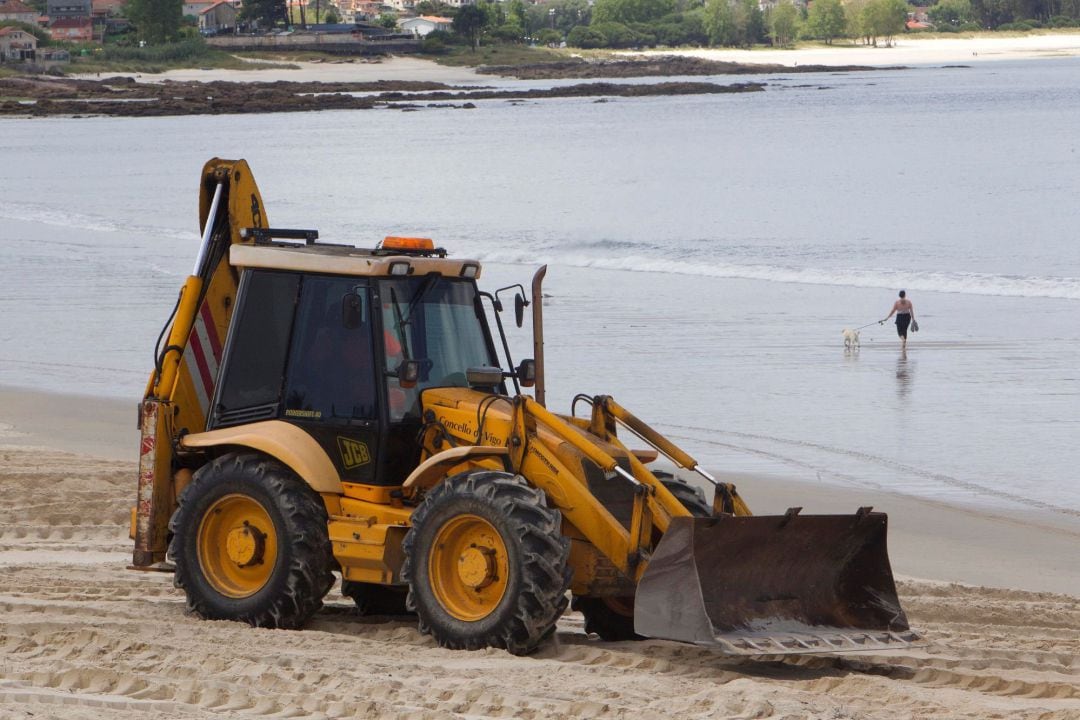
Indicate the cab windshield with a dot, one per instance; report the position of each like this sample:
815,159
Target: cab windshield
438,321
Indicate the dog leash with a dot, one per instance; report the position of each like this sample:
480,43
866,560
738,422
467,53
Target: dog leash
868,325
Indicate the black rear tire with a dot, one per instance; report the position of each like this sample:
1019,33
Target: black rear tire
519,591
286,572
374,599
610,618
692,498
613,618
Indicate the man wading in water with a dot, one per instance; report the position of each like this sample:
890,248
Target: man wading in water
905,315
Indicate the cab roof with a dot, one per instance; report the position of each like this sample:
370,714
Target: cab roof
345,260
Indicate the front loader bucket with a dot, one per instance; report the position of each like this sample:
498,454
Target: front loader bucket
766,585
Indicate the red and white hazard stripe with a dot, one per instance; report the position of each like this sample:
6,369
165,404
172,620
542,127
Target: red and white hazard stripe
203,356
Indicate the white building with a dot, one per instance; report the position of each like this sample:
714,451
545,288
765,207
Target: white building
421,26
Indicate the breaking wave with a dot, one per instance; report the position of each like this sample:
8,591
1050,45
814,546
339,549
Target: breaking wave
45,215
970,283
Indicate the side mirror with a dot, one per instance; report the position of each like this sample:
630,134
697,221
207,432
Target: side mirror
484,377
408,373
526,373
519,308
353,309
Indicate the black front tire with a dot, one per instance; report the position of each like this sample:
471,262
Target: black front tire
290,588
535,552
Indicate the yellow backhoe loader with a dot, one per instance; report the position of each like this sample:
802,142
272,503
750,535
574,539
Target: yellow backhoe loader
319,408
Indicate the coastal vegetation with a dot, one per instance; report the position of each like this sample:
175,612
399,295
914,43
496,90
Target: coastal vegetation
738,23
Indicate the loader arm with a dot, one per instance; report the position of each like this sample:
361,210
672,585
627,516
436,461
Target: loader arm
746,584
531,442
181,385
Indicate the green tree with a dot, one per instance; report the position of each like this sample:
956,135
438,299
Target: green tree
827,20
858,17
156,21
719,21
992,13
784,23
469,23
265,13
886,19
387,20
517,12
953,13
549,37
434,7
737,23
562,15
510,31
631,11
331,17
585,37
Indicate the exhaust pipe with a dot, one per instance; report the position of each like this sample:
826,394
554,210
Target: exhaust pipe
538,331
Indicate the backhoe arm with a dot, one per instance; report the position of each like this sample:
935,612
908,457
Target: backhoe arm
181,386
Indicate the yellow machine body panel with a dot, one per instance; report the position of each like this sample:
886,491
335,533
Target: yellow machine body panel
280,440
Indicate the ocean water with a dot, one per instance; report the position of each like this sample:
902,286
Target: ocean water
704,255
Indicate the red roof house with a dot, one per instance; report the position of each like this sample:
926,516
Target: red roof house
18,11
73,29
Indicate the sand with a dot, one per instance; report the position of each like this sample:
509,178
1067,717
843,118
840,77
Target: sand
391,68
82,637
906,51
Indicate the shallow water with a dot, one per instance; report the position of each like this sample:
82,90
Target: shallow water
705,254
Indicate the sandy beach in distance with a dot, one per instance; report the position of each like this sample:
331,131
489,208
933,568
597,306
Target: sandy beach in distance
995,597
394,68
907,50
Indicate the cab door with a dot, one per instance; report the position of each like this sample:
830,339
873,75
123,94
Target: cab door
331,389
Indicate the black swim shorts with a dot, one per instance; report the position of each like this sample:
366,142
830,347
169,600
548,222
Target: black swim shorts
902,322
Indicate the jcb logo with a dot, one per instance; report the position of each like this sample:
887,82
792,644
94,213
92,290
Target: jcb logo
353,453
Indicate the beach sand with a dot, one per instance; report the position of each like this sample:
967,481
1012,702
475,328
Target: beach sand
83,637
394,68
907,50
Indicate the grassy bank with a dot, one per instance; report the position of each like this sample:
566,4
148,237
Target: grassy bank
462,56
211,59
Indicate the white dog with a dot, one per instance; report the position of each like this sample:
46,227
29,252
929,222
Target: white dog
851,339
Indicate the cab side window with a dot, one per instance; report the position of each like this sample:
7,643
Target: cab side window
331,376
250,388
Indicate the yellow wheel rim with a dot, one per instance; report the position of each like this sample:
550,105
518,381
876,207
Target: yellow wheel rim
237,546
468,567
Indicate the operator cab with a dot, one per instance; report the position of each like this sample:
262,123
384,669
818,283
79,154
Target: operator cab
321,333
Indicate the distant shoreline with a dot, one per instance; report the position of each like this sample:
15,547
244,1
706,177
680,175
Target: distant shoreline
413,83
907,50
